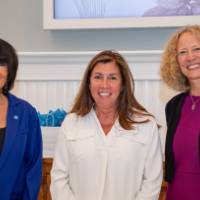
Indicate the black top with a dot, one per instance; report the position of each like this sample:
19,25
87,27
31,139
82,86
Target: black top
2,136
172,111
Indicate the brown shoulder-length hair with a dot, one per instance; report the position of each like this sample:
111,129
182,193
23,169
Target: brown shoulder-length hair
169,68
127,103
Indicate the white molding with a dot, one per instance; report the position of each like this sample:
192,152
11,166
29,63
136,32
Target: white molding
71,65
50,80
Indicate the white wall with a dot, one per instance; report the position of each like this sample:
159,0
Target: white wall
52,62
50,80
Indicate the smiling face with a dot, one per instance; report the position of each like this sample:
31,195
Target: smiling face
105,85
3,75
188,56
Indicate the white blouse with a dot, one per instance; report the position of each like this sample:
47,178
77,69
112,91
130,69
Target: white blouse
122,165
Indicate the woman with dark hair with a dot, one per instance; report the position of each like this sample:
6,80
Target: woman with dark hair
180,70
20,136
108,147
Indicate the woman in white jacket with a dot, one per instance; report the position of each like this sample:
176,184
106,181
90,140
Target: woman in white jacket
108,147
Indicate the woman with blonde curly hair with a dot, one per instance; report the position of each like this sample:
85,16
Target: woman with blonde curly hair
180,70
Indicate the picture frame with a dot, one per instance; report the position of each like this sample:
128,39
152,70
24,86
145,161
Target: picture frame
50,22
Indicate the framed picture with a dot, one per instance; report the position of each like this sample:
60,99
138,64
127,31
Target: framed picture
110,14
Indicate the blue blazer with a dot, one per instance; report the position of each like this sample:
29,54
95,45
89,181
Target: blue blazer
21,156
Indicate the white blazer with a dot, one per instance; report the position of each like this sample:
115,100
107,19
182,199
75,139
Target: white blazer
124,165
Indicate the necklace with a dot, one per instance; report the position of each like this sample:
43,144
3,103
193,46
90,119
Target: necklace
194,102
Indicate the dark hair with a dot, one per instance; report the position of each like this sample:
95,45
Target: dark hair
127,103
8,57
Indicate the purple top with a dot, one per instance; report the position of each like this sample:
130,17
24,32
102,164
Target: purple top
186,182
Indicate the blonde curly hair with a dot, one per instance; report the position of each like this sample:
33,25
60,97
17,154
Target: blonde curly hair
169,67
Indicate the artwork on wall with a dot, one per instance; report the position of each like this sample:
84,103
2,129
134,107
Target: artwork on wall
69,9
70,14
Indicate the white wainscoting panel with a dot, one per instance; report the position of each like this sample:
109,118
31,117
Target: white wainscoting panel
50,80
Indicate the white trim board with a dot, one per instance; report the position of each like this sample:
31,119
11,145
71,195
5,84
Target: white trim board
71,65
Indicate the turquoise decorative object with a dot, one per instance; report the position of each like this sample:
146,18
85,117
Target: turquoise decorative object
52,118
